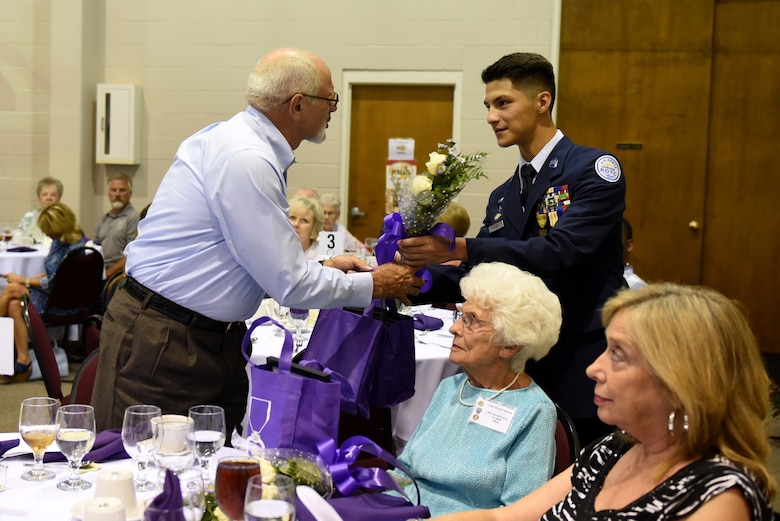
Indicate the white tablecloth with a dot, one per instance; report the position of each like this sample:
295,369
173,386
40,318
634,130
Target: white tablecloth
432,351
43,501
27,264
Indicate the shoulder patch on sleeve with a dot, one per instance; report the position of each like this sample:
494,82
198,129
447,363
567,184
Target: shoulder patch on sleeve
608,168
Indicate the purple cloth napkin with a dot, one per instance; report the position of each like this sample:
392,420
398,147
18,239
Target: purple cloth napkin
427,323
5,446
107,447
169,498
21,249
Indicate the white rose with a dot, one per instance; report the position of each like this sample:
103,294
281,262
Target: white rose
435,165
421,183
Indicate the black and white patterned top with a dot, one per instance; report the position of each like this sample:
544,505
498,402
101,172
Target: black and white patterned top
678,496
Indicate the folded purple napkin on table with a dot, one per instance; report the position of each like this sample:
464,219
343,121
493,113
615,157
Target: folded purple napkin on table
107,447
21,249
5,446
427,323
169,499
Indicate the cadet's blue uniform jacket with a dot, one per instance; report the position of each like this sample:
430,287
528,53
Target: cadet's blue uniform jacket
581,191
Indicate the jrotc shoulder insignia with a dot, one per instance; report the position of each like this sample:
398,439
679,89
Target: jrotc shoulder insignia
608,168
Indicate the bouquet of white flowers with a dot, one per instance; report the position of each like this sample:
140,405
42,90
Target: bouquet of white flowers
423,198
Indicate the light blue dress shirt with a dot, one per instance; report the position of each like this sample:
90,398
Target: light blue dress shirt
217,236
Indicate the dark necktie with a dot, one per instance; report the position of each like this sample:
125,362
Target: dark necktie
527,174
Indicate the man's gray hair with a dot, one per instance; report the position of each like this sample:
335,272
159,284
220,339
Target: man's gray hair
274,81
331,200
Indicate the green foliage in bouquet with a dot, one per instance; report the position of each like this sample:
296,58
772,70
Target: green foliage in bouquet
423,199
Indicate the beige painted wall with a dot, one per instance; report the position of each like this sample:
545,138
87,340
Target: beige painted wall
192,58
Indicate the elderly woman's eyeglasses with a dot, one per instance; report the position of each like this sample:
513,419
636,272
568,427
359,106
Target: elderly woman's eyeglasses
468,319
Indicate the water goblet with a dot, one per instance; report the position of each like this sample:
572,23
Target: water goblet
193,498
38,427
174,444
233,474
209,436
138,440
270,498
74,439
299,318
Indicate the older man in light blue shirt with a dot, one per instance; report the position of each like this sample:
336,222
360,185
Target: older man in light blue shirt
216,240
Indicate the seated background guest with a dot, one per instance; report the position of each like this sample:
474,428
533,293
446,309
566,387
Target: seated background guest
306,217
49,191
633,280
331,207
119,226
683,378
487,437
58,222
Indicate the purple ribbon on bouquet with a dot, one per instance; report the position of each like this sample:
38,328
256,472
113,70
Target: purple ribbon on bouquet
394,231
348,478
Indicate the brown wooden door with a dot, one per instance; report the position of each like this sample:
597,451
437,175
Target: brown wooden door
693,83
741,226
381,112
630,74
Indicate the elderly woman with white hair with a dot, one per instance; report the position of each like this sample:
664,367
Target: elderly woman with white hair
487,438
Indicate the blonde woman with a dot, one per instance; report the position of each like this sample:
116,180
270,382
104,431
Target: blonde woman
306,216
58,222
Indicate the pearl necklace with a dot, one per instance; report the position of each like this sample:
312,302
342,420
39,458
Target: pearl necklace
463,386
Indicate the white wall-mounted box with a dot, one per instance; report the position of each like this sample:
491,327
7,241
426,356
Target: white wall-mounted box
118,131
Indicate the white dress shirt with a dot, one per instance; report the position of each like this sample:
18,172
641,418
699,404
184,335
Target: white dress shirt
217,237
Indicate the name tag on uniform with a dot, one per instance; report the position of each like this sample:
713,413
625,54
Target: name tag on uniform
496,226
494,416
331,244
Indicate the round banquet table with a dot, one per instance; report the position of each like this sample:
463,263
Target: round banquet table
43,501
28,264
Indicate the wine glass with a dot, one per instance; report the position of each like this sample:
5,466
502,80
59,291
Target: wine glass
138,440
174,443
6,237
38,427
75,438
233,474
270,498
299,318
281,313
193,499
209,436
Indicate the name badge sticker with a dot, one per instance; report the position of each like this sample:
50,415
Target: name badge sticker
494,416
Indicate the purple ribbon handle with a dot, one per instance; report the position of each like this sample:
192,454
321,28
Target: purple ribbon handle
394,231
347,478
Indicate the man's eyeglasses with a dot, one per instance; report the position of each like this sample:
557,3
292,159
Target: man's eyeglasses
334,102
469,319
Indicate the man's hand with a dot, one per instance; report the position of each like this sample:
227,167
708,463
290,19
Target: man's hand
393,280
347,263
430,249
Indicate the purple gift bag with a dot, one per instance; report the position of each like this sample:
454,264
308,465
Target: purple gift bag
371,353
289,410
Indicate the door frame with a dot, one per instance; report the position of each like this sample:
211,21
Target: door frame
389,77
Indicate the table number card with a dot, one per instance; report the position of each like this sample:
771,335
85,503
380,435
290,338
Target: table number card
331,244
7,356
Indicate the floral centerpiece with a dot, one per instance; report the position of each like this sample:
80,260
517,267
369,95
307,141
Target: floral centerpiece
425,196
